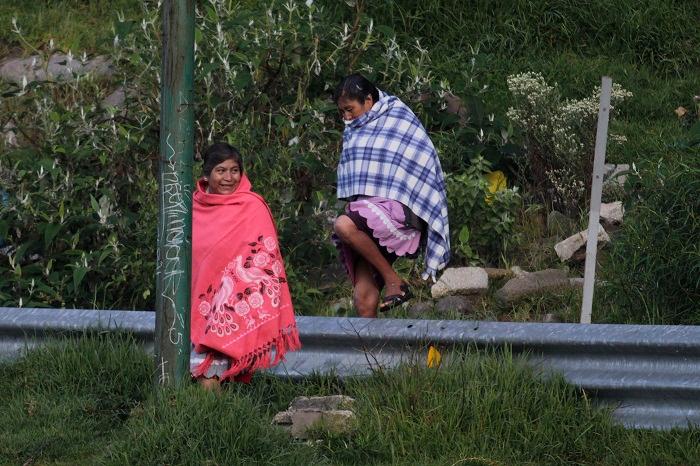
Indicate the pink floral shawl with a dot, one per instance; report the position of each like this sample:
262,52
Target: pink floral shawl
241,306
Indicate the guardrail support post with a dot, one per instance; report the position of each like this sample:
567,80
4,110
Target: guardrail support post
601,141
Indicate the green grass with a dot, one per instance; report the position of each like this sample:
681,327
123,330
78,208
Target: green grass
61,403
89,401
649,47
73,24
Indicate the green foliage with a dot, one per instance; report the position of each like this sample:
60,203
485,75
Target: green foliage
263,82
481,222
80,201
654,266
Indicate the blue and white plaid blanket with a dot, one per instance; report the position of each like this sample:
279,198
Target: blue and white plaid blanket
387,153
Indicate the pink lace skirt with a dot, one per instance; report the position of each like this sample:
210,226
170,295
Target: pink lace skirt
385,221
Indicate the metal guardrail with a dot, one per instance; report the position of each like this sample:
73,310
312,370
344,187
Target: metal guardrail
649,373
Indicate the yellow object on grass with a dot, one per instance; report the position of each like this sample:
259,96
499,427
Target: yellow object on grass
434,357
497,182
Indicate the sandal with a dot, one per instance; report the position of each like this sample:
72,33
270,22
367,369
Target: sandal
394,300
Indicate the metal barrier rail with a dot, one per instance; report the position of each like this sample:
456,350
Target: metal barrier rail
649,373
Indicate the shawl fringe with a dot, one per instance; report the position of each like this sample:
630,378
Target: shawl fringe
261,358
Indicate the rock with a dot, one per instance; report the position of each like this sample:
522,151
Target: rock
419,309
323,403
454,104
283,418
576,282
342,305
611,214
61,67
116,99
551,318
326,412
559,224
566,249
9,135
612,174
461,280
498,274
454,303
532,283
337,421
518,272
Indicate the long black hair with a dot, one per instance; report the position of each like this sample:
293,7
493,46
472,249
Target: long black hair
355,87
219,152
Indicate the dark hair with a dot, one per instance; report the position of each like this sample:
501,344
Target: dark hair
220,152
355,87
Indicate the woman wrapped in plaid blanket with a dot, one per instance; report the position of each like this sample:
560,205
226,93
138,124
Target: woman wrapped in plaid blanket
390,174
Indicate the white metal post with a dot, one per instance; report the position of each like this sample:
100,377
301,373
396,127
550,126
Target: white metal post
601,140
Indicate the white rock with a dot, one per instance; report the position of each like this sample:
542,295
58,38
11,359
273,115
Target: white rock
565,249
612,212
611,173
461,280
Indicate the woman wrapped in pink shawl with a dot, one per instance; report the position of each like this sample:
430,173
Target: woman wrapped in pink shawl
242,317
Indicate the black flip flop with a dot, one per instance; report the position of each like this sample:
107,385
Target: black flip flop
394,300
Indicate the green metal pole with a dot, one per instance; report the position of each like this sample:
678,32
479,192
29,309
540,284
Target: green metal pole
173,267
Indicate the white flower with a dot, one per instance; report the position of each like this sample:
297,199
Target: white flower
293,141
204,308
255,300
309,3
270,244
241,308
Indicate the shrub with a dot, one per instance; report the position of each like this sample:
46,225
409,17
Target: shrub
82,209
654,268
560,138
481,222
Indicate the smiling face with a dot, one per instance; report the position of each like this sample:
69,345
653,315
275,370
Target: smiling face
350,108
225,177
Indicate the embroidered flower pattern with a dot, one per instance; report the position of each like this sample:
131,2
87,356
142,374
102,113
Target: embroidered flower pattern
270,244
256,300
247,283
261,259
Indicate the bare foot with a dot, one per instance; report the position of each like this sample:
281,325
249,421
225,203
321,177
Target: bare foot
393,288
210,385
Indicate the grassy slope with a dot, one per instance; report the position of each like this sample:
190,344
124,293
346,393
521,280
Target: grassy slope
44,20
647,46
89,402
